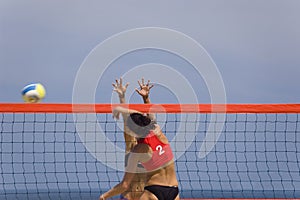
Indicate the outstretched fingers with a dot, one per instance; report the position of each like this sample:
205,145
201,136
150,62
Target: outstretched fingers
151,86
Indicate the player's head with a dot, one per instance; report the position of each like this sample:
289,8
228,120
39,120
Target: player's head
140,124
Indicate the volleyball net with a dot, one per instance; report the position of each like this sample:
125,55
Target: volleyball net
73,151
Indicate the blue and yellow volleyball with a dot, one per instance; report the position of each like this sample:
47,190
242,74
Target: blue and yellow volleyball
33,93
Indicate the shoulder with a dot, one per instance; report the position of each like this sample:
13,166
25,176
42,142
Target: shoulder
157,130
160,135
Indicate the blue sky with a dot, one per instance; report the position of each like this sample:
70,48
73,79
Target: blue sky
254,44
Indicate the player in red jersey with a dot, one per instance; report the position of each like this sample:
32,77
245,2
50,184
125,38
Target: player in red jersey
153,151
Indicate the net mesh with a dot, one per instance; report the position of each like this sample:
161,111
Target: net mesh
57,155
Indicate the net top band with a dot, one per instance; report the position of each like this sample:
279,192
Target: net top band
153,108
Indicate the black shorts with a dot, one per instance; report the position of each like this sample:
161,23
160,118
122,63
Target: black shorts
163,192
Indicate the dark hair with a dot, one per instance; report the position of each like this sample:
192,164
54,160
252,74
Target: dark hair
140,124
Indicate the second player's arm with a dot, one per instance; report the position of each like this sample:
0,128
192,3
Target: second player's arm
130,141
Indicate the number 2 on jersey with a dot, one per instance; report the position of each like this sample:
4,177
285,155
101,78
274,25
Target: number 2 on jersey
160,149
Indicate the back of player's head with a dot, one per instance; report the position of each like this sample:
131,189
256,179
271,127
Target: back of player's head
140,124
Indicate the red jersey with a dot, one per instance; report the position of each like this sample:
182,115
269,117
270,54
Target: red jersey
161,155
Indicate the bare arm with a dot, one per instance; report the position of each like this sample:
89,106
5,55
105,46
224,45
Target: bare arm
124,111
124,185
121,90
119,188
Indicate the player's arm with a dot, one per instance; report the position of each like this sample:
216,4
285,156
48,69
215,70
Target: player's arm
120,89
144,91
131,170
124,111
123,186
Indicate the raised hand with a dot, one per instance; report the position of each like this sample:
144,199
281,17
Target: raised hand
144,88
119,88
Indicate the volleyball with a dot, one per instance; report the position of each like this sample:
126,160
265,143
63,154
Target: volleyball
33,93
